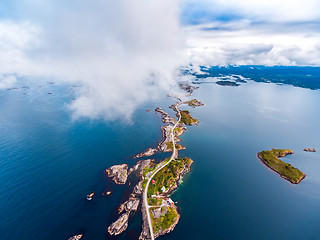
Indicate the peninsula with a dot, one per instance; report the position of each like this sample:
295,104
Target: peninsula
156,180
285,170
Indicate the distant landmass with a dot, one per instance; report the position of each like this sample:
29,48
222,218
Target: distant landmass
304,77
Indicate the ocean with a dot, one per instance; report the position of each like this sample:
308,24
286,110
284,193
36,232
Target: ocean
49,163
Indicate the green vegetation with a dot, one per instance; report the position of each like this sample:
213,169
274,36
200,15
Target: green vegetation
165,221
187,119
178,131
194,103
146,170
286,170
154,201
144,173
168,175
178,146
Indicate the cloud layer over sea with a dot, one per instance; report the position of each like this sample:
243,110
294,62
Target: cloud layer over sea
124,53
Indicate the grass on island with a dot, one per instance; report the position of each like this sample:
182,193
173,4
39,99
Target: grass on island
147,170
154,201
178,131
170,146
167,176
194,103
286,170
165,221
187,119
144,173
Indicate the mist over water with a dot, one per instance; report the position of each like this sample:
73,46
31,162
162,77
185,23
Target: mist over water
120,53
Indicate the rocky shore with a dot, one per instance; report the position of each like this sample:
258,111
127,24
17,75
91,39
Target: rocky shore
170,229
149,152
166,117
120,225
132,204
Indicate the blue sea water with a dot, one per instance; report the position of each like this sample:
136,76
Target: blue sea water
49,163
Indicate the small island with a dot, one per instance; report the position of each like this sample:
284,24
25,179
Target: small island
309,150
195,103
285,170
227,83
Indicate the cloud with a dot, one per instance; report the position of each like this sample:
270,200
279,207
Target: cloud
7,82
250,43
122,52
266,32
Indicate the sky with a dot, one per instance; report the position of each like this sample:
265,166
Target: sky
248,32
124,53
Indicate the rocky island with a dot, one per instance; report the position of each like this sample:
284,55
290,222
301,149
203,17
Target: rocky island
195,103
122,223
156,180
119,173
309,150
285,170
149,152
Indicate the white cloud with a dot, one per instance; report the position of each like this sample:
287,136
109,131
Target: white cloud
267,32
123,52
244,43
7,82
126,52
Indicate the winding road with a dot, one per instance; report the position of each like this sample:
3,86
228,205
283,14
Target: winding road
145,196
